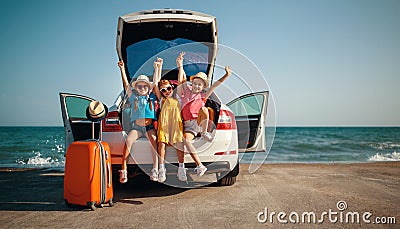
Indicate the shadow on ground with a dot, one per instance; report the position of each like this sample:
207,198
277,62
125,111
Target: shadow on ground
43,190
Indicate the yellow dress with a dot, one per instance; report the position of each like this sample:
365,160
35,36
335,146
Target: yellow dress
170,126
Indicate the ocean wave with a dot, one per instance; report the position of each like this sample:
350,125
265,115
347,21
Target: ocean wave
385,145
59,148
385,157
40,160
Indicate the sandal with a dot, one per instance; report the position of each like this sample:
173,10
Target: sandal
123,176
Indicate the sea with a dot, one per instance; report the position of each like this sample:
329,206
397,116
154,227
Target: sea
44,146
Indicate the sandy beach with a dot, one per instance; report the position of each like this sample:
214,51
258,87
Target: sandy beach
33,198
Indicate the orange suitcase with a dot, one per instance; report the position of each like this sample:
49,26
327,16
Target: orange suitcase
88,174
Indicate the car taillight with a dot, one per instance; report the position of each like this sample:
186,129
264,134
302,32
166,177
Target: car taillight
226,120
111,123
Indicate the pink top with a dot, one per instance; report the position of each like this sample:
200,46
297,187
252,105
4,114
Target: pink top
191,103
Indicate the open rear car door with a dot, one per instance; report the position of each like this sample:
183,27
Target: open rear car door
76,126
250,112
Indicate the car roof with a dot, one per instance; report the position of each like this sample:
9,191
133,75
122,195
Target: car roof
167,14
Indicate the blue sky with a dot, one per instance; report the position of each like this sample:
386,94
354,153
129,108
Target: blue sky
329,62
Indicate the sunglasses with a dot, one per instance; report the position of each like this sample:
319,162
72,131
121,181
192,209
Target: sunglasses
143,86
165,89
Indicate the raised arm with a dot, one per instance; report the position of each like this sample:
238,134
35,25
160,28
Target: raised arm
125,82
228,72
181,73
157,76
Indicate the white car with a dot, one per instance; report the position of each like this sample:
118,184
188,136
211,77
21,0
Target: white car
142,36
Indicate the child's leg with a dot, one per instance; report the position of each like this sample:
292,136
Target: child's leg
200,169
187,139
151,135
129,141
203,119
161,152
161,167
179,150
181,169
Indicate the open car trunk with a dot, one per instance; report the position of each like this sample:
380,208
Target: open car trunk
146,35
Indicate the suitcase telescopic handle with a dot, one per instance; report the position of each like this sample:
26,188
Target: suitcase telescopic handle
92,130
101,130
109,174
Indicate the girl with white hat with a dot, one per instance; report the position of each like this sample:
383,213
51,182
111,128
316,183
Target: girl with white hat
142,117
194,113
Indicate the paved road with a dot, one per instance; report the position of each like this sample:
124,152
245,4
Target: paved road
34,198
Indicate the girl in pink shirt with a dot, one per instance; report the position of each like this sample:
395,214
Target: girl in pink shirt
195,115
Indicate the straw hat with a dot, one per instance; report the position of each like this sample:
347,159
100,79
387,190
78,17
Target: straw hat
96,111
200,75
141,78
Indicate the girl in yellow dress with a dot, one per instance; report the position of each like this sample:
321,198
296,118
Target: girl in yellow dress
170,126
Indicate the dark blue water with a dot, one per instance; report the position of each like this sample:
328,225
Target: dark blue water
44,146
335,144
32,146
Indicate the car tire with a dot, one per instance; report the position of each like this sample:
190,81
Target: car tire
230,178
227,181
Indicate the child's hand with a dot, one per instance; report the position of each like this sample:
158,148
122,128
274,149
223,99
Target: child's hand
179,59
158,63
228,70
121,64
160,60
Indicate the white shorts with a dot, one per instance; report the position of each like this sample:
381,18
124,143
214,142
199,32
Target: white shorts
191,126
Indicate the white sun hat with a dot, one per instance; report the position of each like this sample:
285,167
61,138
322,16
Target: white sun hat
141,78
96,111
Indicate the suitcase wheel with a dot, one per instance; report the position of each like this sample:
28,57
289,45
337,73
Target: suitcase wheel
92,206
111,203
67,204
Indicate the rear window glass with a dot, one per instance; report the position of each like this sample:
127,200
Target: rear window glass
141,56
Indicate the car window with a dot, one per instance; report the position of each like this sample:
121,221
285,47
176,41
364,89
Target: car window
141,56
246,106
76,107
